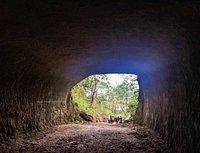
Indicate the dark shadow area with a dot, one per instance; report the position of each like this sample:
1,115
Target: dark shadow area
47,47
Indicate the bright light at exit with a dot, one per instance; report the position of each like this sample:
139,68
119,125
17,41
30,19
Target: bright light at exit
117,79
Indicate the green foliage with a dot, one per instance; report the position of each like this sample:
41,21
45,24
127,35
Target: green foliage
95,95
133,103
79,98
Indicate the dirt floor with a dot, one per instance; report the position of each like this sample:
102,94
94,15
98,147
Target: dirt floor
89,138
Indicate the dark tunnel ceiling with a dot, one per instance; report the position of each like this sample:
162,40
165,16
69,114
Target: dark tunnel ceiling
101,36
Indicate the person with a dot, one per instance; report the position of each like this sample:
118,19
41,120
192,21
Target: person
120,119
111,119
117,119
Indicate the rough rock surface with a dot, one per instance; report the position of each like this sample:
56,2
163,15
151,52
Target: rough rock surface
85,116
46,47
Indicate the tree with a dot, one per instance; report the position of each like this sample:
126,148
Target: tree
123,93
96,93
92,85
133,103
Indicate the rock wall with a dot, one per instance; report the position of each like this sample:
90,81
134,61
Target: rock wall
47,46
33,94
170,96
169,104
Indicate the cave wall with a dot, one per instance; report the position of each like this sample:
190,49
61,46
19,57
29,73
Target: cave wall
34,94
170,96
48,46
169,104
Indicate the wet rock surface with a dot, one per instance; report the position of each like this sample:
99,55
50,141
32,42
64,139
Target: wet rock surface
88,138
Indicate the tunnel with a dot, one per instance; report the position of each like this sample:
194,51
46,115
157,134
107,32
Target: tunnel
46,47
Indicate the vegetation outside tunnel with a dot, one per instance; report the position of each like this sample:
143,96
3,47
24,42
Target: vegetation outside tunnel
107,94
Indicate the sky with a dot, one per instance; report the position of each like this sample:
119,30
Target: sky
115,79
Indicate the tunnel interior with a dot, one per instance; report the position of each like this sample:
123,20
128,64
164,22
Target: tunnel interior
47,47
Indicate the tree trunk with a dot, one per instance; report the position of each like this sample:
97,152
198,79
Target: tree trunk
93,99
94,92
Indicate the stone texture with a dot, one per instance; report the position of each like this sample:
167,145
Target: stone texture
169,102
85,116
46,47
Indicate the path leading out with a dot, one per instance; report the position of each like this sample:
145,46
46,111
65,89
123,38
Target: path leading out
90,138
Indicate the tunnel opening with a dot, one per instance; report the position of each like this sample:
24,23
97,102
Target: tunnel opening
47,47
107,97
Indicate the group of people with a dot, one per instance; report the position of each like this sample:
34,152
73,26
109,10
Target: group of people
112,119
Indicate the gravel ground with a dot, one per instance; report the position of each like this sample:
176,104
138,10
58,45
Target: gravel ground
89,138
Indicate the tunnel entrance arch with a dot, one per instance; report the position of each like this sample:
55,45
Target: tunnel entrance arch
107,95
62,43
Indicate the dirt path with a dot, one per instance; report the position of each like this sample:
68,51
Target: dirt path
100,138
